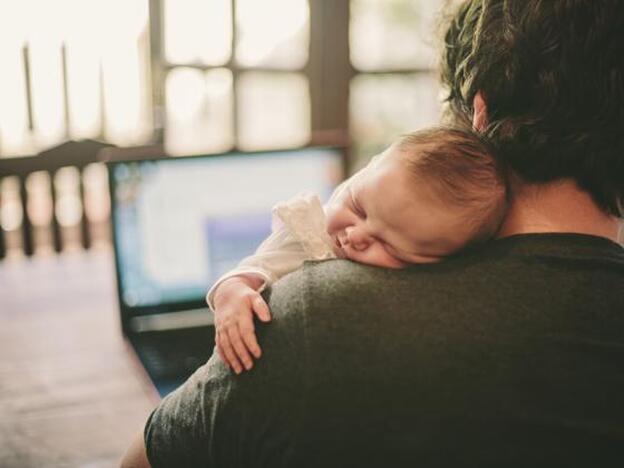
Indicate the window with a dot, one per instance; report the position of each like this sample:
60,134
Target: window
202,76
215,74
394,89
234,74
73,69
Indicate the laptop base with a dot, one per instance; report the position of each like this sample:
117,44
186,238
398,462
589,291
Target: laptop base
171,356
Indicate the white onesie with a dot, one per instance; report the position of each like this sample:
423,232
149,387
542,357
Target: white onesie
299,233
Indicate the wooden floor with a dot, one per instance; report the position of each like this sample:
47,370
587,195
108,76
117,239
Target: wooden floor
71,395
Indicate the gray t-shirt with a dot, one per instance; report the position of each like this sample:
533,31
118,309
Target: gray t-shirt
512,355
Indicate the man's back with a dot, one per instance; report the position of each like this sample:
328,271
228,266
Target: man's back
510,356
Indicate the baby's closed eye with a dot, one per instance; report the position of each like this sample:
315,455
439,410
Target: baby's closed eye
357,208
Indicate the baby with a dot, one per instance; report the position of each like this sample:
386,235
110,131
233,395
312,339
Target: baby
429,195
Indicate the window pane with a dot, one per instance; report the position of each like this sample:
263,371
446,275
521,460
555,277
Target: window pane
272,33
83,89
20,26
382,107
198,31
85,29
14,133
83,43
47,90
124,62
274,110
199,111
124,101
396,34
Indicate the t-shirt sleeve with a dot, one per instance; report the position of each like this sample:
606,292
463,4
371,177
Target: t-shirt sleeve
217,418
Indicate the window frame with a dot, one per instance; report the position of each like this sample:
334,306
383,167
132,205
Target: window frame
328,71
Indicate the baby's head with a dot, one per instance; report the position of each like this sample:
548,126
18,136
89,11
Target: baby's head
432,193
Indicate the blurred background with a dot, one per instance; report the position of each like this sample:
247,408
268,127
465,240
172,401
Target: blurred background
186,77
199,76
194,77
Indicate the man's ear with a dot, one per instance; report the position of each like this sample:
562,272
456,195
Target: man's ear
479,116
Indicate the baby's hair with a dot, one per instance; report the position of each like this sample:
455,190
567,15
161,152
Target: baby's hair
460,167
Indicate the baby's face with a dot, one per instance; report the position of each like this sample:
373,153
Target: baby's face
382,217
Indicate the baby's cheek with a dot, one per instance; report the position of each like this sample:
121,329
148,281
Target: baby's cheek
334,220
376,255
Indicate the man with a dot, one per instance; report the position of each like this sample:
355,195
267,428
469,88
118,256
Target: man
509,356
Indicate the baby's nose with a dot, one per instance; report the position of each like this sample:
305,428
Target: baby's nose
357,238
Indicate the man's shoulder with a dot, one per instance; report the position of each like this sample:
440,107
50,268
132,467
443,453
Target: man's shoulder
339,292
336,276
332,280
339,279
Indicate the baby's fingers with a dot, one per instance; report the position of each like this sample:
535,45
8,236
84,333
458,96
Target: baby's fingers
239,348
261,308
248,335
226,350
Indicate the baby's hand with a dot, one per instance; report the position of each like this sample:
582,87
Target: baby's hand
235,302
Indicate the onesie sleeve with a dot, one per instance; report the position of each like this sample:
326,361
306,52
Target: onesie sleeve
298,234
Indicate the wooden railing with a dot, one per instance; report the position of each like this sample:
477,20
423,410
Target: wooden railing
21,233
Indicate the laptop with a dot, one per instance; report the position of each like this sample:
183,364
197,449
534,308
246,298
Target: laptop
179,223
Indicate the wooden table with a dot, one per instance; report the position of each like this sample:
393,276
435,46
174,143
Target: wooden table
71,393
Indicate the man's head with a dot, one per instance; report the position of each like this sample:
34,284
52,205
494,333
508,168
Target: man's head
552,76
432,193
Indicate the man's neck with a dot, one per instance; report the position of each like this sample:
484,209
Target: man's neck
556,207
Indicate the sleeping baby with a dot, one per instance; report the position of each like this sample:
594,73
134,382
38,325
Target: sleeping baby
431,194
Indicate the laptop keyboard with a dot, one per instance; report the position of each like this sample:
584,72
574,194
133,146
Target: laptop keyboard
174,353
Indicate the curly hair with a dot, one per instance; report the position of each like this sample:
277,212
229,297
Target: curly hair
552,75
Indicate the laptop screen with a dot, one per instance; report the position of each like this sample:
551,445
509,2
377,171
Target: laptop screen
180,223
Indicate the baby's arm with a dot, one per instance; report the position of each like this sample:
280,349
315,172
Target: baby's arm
278,255
235,301
297,236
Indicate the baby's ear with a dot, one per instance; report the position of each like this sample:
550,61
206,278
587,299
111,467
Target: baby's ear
479,116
